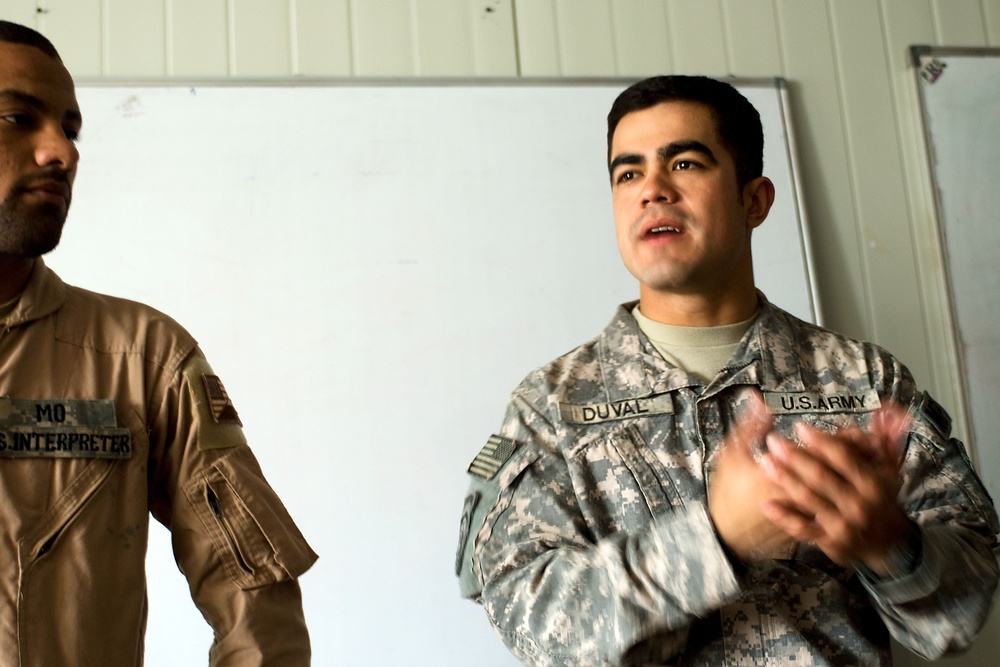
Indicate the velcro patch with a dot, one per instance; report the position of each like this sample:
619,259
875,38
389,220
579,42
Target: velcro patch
62,428
492,456
798,402
596,413
222,409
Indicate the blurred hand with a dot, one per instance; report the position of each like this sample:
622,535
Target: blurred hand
739,489
840,490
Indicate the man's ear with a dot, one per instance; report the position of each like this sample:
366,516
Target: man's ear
758,195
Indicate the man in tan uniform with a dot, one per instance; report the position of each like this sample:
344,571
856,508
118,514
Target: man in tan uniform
109,411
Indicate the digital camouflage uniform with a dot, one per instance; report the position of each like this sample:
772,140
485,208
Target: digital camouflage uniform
587,539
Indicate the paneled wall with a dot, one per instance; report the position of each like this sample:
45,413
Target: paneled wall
855,109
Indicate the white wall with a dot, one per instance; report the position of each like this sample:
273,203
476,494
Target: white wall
854,98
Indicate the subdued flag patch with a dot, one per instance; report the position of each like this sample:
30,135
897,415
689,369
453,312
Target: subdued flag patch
492,456
223,410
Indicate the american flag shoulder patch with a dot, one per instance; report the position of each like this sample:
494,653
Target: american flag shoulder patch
222,409
492,456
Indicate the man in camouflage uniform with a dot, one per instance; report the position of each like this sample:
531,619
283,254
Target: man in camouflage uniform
712,481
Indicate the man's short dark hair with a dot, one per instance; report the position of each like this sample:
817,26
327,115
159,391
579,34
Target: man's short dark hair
15,33
736,120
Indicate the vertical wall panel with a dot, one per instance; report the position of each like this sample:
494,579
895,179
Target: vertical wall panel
382,38
322,38
991,17
810,65
443,38
135,38
697,42
24,12
751,31
641,38
537,38
197,38
887,251
493,37
586,38
907,23
260,38
465,38
960,23
76,28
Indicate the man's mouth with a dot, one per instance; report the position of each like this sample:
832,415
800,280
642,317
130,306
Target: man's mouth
49,189
662,229
57,189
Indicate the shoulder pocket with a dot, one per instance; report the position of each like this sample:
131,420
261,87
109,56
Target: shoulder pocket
251,531
485,499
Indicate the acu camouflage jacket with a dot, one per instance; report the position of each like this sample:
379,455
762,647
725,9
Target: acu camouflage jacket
587,539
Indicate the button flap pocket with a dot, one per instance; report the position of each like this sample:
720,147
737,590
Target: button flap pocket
251,530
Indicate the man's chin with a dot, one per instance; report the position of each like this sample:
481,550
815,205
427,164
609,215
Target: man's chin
40,239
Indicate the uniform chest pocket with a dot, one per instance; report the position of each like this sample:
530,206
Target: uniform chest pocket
827,423
619,482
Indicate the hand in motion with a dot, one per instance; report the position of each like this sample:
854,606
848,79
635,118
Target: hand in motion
840,490
739,489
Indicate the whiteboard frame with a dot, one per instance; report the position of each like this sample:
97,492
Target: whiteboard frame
920,56
327,558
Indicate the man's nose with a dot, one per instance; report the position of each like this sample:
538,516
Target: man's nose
658,187
55,149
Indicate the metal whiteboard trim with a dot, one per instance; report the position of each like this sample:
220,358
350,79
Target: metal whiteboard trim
389,82
797,190
920,51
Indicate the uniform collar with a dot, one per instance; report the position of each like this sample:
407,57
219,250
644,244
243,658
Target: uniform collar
766,357
43,295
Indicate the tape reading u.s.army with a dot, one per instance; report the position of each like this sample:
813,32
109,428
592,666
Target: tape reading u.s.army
798,402
60,428
596,413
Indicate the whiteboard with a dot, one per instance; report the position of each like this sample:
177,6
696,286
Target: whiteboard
371,268
960,96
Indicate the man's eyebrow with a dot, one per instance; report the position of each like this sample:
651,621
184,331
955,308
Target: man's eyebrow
14,95
665,153
676,148
625,158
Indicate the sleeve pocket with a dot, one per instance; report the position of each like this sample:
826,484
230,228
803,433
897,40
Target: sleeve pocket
251,531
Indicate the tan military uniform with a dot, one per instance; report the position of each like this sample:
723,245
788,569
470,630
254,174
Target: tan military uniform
108,411
586,536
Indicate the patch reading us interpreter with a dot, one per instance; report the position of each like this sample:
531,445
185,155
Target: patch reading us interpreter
798,402
62,428
595,413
